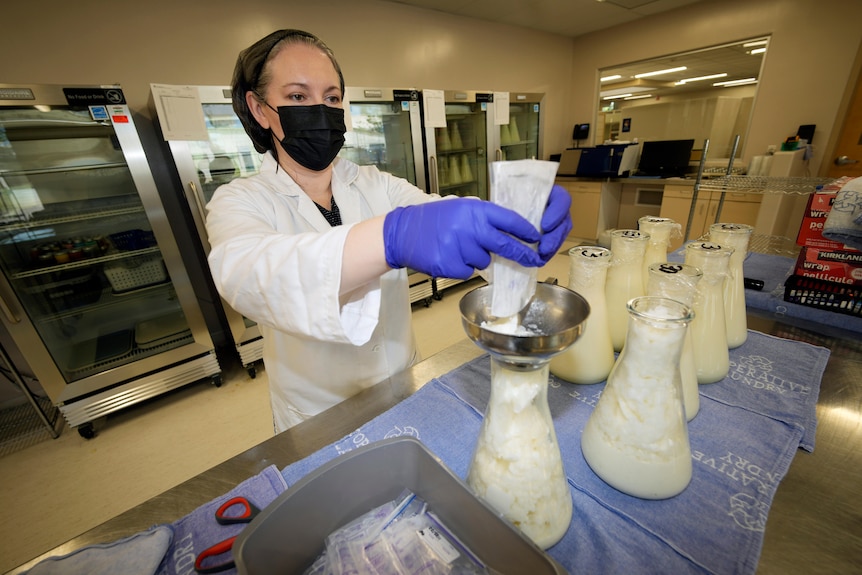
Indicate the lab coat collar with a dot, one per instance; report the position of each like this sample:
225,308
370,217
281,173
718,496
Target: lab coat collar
344,173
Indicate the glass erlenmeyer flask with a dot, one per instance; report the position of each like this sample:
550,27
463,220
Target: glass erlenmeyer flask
737,237
625,279
709,326
636,439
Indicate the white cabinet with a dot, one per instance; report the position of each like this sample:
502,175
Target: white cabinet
595,206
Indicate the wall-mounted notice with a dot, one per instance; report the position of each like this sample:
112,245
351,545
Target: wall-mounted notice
501,108
435,108
180,112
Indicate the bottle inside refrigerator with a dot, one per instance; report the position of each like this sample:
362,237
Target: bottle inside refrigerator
93,292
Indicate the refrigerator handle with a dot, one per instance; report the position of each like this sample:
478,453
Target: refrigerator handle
199,203
433,183
498,154
7,311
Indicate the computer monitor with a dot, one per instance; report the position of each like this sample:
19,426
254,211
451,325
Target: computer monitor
665,158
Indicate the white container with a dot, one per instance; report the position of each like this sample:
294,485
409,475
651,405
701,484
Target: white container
517,467
591,357
660,231
636,439
679,282
625,280
709,326
737,237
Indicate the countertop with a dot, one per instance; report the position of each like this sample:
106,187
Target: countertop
813,525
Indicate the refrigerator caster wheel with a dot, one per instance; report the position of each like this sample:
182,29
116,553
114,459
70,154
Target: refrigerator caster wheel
216,380
252,371
438,296
426,302
86,431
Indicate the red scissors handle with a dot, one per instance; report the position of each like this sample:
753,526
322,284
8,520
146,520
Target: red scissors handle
215,551
248,511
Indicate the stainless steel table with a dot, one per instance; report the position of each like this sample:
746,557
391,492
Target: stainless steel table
814,526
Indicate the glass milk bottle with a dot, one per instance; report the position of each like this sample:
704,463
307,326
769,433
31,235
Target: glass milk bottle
709,326
660,231
591,357
517,467
679,282
636,439
735,236
625,279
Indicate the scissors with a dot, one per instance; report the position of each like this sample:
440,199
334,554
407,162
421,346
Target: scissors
249,511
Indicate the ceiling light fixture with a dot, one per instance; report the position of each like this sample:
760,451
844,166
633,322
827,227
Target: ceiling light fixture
609,78
699,78
617,97
755,43
757,51
639,97
736,82
658,72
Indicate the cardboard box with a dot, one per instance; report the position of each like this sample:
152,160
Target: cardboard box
836,266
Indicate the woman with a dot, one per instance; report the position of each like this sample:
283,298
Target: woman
314,248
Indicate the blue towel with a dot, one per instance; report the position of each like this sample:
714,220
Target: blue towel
715,526
199,530
139,554
844,222
774,270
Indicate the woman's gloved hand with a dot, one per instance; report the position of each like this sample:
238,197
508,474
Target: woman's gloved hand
556,223
452,237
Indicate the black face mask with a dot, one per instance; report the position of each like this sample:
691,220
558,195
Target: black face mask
313,135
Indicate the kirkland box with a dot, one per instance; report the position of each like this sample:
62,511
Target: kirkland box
289,534
836,266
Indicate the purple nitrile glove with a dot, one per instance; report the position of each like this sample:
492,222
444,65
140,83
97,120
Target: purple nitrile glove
556,223
453,237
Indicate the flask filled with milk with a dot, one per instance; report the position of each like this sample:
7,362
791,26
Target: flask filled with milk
737,237
636,439
660,231
517,467
591,357
625,279
709,326
679,282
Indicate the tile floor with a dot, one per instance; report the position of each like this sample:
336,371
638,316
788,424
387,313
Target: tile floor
59,488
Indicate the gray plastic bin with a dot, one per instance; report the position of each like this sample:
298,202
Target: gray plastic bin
289,533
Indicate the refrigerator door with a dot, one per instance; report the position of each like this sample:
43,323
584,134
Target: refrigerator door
457,153
386,131
93,290
519,139
204,165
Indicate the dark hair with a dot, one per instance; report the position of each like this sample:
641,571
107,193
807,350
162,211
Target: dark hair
249,75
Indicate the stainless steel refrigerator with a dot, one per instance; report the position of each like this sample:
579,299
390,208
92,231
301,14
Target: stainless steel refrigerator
520,137
457,153
95,301
205,159
386,131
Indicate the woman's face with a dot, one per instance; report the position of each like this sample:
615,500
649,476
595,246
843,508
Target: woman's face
300,75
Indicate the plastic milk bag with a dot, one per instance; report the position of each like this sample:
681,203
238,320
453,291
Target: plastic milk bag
522,186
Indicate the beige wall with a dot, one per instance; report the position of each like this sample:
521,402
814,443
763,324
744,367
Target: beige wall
811,54
183,42
378,43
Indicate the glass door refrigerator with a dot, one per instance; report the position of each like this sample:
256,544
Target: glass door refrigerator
385,129
519,138
93,292
458,152
222,152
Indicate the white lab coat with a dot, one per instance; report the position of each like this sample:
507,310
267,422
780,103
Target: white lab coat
276,260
